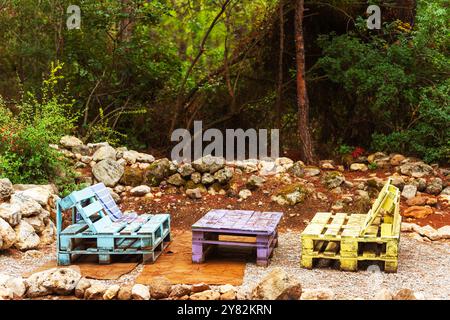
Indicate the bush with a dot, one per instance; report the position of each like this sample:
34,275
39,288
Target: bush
25,154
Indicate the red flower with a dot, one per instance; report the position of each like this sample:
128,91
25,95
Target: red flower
358,152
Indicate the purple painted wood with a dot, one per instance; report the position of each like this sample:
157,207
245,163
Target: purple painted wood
262,225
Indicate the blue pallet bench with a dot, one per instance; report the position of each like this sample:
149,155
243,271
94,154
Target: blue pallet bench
95,231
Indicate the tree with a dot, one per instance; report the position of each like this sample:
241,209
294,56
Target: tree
304,131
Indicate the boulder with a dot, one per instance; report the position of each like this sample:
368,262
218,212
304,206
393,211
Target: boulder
108,171
111,292
158,171
429,232
435,186
95,292
176,180
145,158
26,237
418,212
36,222
397,160
15,285
291,194
444,232
409,191
199,287
398,181
207,178
416,169
48,235
185,170
333,179
105,153
140,292
81,288
446,191
6,293
196,177
311,171
6,189
62,281
160,288
205,295
417,201
298,169
209,164
318,294
255,182
140,191
277,285
11,213
39,194
28,207
223,176
130,157
132,177
70,142
125,293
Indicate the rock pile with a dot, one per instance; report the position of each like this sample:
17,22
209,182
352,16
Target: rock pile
25,212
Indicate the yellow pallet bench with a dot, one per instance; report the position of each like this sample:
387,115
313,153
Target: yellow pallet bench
350,238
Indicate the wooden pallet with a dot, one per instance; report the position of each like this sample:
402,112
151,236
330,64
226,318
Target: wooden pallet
148,239
207,232
351,238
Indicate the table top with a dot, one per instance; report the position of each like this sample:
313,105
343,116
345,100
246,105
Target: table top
240,220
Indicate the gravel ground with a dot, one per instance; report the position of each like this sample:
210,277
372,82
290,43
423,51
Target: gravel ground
423,267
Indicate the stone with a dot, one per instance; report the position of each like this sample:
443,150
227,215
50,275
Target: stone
145,158
10,213
429,232
180,290
196,177
81,288
185,170
140,191
176,180
229,295
333,179
205,295
405,294
111,292
409,191
104,153
311,171
199,287
416,169
158,171
130,156
418,212
115,196
327,165
62,281
6,189
70,142
16,286
209,164
36,222
358,167
26,237
227,287
160,288
48,235
291,194
444,201
39,194
95,292
397,160
223,176
140,292
444,232
409,227
108,171
194,193
384,294
207,178
417,201
398,181
435,187
132,177
277,285
446,191
245,194
28,207
255,182
298,169
6,293
318,294
125,293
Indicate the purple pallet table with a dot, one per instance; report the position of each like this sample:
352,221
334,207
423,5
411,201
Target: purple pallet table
262,225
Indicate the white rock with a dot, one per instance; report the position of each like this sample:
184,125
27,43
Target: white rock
111,292
318,294
48,235
28,206
38,194
140,191
358,167
384,294
70,142
7,235
6,293
245,194
409,191
36,222
6,189
61,281
130,156
106,152
140,292
429,232
444,232
108,171
26,237
10,213
16,285
145,158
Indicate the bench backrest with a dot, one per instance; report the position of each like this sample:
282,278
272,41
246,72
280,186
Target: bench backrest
388,201
110,206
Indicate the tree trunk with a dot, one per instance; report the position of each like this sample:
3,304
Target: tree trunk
304,132
280,68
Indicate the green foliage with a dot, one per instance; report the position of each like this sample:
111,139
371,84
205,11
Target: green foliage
373,166
25,154
398,81
344,149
